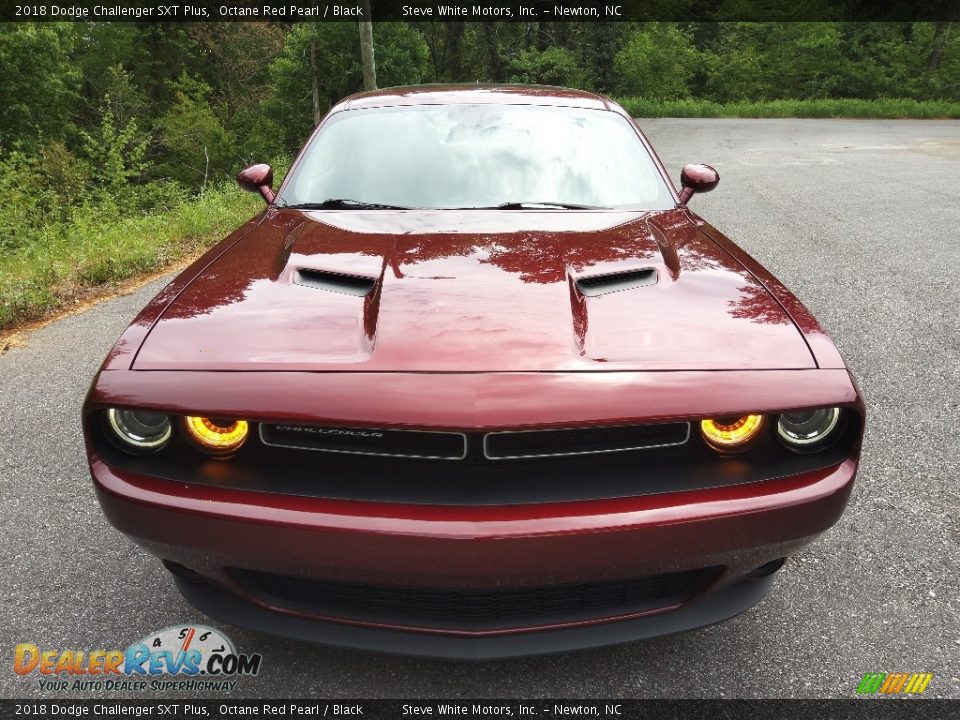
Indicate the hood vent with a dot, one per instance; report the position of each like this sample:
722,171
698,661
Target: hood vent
358,285
593,285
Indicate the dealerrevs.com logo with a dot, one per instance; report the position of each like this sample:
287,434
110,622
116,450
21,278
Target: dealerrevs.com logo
191,657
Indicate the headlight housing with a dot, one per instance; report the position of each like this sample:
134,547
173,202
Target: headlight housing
808,430
731,435
139,431
217,436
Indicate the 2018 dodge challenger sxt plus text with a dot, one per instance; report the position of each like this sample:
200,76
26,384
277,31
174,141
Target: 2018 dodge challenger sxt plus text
475,383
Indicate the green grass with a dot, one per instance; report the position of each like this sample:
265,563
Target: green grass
97,247
847,107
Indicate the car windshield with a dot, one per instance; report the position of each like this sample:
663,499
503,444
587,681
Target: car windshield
477,156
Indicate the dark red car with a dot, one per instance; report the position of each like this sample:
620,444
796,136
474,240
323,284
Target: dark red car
475,383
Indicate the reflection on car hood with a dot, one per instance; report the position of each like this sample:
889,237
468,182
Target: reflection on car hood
474,291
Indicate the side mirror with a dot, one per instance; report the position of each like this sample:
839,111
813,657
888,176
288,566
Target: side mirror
697,179
257,178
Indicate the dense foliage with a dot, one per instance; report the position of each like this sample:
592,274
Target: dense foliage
103,105
103,121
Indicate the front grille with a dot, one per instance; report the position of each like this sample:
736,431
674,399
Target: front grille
470,609
450,445
582,441
428,445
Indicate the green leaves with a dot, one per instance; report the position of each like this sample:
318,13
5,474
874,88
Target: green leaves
553,66
658,62
40,83
197,146
115,152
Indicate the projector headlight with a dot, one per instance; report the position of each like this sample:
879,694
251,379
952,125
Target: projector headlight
808,430
139,431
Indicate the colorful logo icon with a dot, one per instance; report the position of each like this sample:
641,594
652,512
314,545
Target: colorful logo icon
894,683
188,651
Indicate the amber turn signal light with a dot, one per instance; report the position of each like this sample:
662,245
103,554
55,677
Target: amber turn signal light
216,436
731,435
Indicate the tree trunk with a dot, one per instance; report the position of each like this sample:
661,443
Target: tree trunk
455,51
366,49
431,35
940,35
491,51
316,82
602,52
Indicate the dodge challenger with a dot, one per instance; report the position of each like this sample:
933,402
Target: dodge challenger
475,383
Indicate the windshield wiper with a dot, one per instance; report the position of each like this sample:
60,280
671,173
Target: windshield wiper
533,205
347,204
344,204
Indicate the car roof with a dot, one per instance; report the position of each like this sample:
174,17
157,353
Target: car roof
475,94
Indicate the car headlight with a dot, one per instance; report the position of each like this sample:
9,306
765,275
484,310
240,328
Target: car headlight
215,435
731,435
139,431
808,430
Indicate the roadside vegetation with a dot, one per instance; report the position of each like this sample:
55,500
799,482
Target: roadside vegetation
887,108
119,141
100,245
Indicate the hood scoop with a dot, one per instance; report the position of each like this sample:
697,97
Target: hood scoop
358,285
593,285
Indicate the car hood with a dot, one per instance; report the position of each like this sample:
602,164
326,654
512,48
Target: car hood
474,291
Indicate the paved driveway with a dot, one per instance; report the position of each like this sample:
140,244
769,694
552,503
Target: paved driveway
859,218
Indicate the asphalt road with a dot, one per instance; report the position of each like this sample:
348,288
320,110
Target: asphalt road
859,218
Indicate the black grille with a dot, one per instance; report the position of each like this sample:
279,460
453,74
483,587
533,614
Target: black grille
451,445
475,609
367,441
582,441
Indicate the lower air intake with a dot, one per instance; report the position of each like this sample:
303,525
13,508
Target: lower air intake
470,609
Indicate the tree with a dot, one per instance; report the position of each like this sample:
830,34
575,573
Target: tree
657,62
402,58
770,61
601,40
39,83
115,151
366,49
402,54
198,147
553,66
237,67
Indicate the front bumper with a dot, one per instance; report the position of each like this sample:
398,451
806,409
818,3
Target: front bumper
212,530
218,602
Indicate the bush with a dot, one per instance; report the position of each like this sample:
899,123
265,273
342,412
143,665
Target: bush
42,187
657,62
553,66
115,151
97,246
198,147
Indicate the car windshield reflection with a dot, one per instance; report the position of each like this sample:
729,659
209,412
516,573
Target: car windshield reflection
516,157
